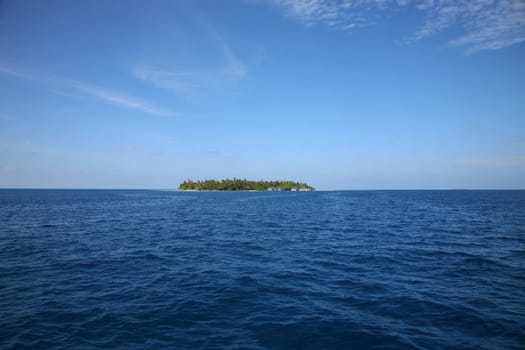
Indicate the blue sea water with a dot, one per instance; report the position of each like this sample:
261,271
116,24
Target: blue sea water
322,270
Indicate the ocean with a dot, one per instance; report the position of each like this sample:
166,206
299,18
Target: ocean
142,269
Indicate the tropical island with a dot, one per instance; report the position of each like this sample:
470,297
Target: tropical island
243,185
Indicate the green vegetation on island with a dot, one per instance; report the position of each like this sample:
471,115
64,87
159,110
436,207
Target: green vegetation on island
243,185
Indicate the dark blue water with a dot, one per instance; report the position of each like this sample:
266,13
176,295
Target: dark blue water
320,270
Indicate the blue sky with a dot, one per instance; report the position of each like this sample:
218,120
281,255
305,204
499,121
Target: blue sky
369,94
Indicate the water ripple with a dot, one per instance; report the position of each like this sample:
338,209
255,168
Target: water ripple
321,270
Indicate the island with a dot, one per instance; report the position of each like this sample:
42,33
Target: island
243,185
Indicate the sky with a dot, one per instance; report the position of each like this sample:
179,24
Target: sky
363,94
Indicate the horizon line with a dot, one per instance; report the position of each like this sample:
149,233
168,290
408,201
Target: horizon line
316,190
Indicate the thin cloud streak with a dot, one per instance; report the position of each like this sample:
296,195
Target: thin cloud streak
117,99
190,84
485,24
234,67
198,82
57,84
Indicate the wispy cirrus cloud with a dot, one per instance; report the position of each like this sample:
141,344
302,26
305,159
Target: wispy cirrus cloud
187,83
118,99
75,88
198,82
485,24
482,24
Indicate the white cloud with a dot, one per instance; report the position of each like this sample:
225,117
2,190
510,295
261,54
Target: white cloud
198,82
483,24
118,99
190,84
486,24
63,86
334,13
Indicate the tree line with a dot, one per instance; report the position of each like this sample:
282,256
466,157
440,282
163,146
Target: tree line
244,185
